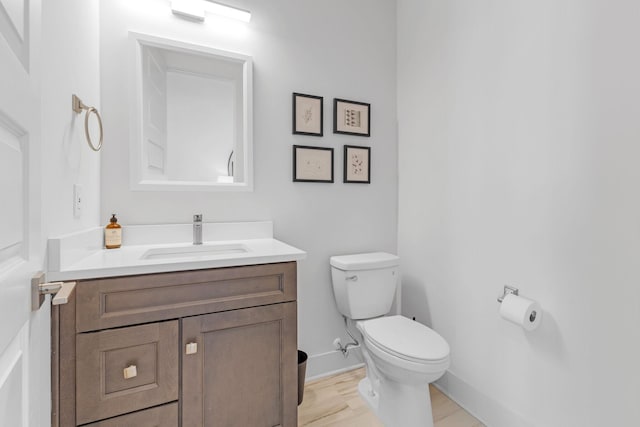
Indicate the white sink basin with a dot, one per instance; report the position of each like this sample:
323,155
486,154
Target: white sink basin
207,250
164,248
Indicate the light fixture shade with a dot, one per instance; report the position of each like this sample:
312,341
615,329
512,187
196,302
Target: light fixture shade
190,9
227,11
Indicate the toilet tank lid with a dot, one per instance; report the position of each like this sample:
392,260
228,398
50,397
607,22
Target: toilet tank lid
366,261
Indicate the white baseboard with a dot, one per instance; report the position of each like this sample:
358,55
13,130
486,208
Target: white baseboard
489,411
331,363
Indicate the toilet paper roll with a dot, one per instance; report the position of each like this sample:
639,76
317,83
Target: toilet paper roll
521,311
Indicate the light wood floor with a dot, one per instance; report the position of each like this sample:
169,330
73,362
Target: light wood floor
334,401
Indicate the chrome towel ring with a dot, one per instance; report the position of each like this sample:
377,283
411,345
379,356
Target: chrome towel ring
77,105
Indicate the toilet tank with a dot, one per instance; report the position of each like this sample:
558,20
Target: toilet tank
364,285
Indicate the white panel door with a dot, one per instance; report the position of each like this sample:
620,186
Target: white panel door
24,336
155,114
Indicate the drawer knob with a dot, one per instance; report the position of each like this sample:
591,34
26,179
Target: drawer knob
192,348
130,372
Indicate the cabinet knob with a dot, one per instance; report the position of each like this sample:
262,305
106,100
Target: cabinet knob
130,372
192,348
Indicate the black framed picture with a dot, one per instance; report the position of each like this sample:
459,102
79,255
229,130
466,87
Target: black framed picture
308,114
351,117
312,164
357,164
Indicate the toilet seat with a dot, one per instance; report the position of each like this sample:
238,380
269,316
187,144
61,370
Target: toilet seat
405,339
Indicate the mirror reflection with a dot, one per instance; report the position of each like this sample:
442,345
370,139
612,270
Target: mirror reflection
193,123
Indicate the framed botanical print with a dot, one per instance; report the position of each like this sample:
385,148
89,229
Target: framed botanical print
351,117
357,164
312,164
308,111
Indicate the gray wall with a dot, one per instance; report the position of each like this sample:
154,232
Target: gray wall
70,65
329,48
519,130
66,62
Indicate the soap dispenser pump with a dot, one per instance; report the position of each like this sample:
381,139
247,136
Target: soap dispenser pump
113,234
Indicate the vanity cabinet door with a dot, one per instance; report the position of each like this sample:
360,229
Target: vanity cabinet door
125,370
239,368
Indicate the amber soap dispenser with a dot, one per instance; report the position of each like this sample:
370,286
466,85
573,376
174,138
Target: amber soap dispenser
113,234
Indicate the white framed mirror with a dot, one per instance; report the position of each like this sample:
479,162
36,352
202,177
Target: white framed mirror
191,117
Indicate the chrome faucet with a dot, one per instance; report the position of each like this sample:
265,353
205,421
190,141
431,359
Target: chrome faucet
197,229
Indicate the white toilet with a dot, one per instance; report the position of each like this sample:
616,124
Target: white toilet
401,356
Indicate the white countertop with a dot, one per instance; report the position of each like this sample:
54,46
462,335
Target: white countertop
78,256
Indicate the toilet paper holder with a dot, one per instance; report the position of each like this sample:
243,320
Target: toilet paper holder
508,290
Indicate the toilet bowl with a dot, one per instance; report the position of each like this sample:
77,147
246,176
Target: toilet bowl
405,350
401,356
407,357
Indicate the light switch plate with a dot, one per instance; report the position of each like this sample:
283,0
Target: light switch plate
78,200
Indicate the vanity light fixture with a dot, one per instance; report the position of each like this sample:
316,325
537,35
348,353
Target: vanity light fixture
197,10
190,9
227,11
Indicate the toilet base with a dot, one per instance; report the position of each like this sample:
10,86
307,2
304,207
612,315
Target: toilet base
398,405
367,394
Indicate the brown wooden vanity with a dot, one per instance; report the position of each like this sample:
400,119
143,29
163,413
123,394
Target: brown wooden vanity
198,348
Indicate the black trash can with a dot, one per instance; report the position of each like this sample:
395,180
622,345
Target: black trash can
302,368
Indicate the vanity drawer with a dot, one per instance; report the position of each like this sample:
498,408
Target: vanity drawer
160,416
120,301
125,370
